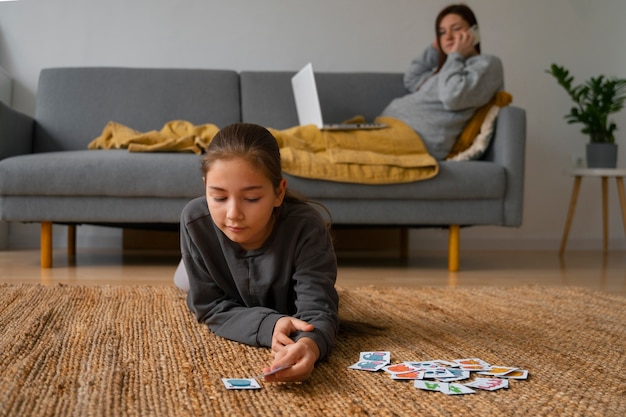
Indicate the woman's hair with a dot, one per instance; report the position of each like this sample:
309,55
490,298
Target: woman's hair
254,144
459,9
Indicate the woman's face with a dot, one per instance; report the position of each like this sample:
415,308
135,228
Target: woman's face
451,27
241,200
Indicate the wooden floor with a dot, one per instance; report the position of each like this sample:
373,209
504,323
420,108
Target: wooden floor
499,268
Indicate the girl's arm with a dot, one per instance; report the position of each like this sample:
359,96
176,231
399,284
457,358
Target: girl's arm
308,336
317,302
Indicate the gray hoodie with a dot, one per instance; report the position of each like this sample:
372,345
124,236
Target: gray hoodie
241,294
438,106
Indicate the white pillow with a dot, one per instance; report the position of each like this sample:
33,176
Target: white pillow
483,139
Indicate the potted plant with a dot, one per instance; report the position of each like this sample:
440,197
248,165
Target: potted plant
594,101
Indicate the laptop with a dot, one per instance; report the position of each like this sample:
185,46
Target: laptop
308,104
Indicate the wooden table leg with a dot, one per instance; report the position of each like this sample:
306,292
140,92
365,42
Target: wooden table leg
622,200
605,214
570,214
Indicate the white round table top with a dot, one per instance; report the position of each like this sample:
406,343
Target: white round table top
598,172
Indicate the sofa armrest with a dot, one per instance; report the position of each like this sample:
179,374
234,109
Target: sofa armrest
16,132
509,150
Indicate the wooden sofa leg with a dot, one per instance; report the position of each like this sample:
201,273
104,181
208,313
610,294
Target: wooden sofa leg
46,244
454,247
71,241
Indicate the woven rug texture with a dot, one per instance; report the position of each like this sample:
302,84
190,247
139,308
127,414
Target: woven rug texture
137,351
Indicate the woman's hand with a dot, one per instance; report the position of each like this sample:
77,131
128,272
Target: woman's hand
301,354
464,44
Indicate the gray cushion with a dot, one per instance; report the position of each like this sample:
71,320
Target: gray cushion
92,210
267,97
116,173
121,173
455,181
74,104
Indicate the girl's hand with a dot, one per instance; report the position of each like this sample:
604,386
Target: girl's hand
283,329
302,354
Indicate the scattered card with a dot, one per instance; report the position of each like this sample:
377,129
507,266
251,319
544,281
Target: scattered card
489,384
399,368
473,364
459,374
446,364
498,371
426,365
368,366
372,361
409,375
429,385
240,383
438,375
518,374
455,389
376,356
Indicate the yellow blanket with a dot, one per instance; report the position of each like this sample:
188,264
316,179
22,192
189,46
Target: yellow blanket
391,155
175,136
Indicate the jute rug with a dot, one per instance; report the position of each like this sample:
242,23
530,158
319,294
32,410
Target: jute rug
137,351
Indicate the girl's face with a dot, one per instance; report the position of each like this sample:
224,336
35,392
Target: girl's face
241,201
451,27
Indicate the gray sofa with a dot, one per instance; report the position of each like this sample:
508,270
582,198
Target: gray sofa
48,176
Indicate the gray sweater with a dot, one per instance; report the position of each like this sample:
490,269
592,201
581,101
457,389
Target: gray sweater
241,294
439,105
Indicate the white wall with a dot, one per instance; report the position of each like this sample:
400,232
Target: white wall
349,35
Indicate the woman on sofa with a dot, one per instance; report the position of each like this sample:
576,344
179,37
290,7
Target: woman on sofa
448,82
259,263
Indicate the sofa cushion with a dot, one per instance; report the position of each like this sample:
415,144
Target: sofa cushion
114,173
74,104
267,96
119,173
455,181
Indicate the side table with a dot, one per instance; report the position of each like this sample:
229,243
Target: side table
604,174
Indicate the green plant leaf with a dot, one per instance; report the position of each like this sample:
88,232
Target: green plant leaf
594,100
